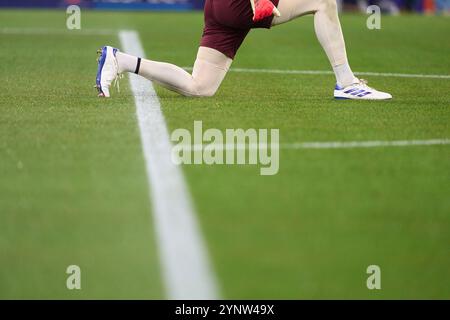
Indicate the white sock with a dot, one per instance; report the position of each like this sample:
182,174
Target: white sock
126,62
344,75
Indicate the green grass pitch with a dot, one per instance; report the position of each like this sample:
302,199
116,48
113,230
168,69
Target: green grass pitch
73,188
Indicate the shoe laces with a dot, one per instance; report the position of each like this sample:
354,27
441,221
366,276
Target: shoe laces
363,83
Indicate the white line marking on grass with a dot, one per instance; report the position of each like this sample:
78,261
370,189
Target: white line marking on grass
185,265
332,145
50,31
324,72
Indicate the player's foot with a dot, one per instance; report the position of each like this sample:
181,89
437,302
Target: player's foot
263,9
360,91
107,70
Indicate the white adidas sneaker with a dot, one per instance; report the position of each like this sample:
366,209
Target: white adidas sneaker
108,70
360,91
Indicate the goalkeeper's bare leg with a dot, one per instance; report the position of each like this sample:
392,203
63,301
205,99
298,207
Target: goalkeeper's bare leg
220,43
209,70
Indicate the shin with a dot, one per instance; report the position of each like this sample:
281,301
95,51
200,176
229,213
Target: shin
209,70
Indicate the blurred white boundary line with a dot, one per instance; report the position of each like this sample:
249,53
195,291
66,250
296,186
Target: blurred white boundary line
50,31
87,32
330,145
318,72
364,144
185,264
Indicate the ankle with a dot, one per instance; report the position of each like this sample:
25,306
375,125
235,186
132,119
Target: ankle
344,75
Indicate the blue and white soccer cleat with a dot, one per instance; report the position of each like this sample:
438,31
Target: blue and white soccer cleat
360,91
108,70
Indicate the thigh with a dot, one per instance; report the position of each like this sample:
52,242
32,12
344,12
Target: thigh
227,23
291,9
237,14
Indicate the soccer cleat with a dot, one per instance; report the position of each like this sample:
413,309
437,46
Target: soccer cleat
107,70
263,9
360,91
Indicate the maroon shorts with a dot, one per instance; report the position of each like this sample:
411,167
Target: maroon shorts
227,23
